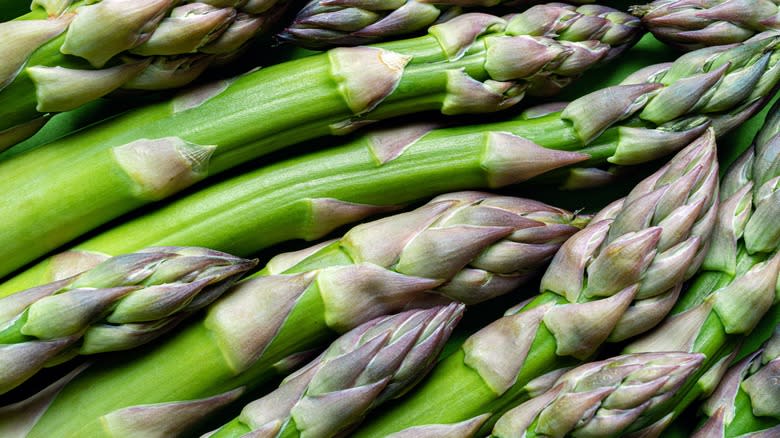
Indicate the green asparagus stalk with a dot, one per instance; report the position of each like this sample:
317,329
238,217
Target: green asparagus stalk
466,246
615,279
123,302
470,64
330,23
639,121
745,403
371,364
66,53
693,24
739,279
599,399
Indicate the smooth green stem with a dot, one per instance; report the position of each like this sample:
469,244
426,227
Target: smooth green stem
249,212
234,429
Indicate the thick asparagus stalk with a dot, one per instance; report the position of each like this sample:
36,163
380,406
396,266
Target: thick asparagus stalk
746,402
701,23
599,399
465,246
66,53
638,122
329,23
373,363
124,302
470,64
739,279
616,278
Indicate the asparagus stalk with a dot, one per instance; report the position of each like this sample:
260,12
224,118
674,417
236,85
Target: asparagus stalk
329,23
369,365
599,399
123,302
467,246
641,120
467,65
701,23
739,279
615,279
745,403
66,53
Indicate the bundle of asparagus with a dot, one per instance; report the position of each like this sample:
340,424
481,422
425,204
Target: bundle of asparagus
616,278
466,65
466,246
641,120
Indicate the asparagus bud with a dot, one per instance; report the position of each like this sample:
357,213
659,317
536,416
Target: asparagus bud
749,393
600,399
702,23
120,304
377,361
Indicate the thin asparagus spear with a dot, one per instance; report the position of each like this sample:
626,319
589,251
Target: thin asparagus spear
371,364
701,23
466,246
615,279
746,401
599,399
328,23
124,302
739,279
67,53
646,120
470,64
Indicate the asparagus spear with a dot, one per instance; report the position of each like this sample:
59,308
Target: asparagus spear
467,65
739,278
369,365
700,23
745,403
616,278
599,399
638,122
329,23
124,302
66,53
467,246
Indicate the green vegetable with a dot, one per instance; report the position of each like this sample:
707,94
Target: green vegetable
67,53
327,23
639,122
373,363
613,280
692,25
123,302
739,279
149,154
746,399
467,246
599,399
